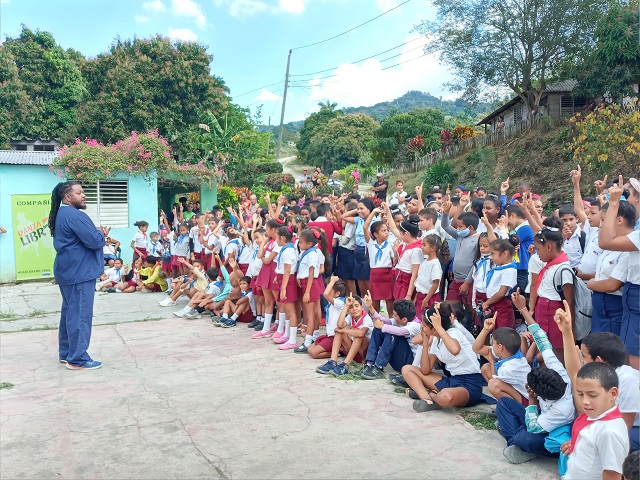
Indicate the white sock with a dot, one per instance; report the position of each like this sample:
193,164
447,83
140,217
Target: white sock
287,327
267,322
118,290
308,340
281,326
316,334
293,334
234,316
225,315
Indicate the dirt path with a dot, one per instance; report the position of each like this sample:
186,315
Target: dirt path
289,166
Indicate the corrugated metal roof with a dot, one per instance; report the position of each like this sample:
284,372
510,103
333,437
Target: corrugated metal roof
19,157
564,86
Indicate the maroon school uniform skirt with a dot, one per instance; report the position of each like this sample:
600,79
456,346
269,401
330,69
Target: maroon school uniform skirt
264,278
401,287
256,290
381,283
175,263
420,298
319,285
206,258
314,294
544,313
243,268
291,289
143,251
506,317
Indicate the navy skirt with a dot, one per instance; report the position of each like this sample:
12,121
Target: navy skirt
607,313
345,261
361,264
630,328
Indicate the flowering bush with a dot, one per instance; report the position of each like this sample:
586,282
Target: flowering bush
377,201
416,144
276,181
227,197
138,154
445,139
463,132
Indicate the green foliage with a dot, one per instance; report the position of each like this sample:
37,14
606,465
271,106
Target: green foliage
440,173
327,112
277,181
268,166
227,197
14,102
364,169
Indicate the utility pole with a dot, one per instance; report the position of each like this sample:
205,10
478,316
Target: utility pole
284,103
269,141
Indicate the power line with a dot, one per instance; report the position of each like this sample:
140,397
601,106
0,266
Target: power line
256,89
351,29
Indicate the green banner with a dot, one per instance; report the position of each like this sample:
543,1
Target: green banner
33,243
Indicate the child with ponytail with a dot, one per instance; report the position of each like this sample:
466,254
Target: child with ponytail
287,293
140,239
380,260
308,266
501,279
268,252
430,272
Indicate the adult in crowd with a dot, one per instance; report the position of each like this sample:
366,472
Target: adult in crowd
381,187
305,178
334,181
79,261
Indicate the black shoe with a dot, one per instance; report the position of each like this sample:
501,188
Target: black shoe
258,326
254,323
373,373
366,370
111,290
398,379
301,349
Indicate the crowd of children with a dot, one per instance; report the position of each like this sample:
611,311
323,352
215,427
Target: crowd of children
479,289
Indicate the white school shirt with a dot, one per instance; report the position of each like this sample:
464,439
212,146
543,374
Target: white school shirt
612,265
629,391
255,264
154,249
429,272
573,249
246,253
464,363
508,277
233,246
140,240
387,254
349,231
535,265
633,272
591,250
320,264
179,249
366,322
409,258
500,232
194,234
600,446
556,413
424,233
114,274
479,275
109,249
306,261
414,329
290,256
547,289
334,314
514,372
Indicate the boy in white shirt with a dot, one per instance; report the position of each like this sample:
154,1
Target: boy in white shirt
111,276
386,345
334,293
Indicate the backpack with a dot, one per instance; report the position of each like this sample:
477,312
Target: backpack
583,240
582,300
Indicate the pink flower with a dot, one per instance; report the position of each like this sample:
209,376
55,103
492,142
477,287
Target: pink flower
79,175
66,169
167,154
60,174
129,168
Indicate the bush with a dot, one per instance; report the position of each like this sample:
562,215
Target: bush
275,181
440,173
268,167
227,197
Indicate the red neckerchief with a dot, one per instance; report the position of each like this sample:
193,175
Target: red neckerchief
269,246
144,235
410,246
583,421
556,261
359,323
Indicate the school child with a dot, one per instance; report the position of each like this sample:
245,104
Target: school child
346,250
198,231
246,250
501,278
360,261
287,294
391,339
631,466
180,244
506,373
428,219
323,266
167,270
397,217
550,402
477,278
232,246
154,246
239,306
255,264
154,281
200,300
269,250
491,208
352,334
518,224
548,242
573,236
611,272
198,283
589,215
110,250
111,277
443,342
130,280
381,256
306,278
334,293
430,272
140,239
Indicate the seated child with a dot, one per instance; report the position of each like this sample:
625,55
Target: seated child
334,293
154,281
506,377
200,300
230,291
631,466
391,338
352,334
111,277
130,280
238,307
198,283
443,342
110,251
550,402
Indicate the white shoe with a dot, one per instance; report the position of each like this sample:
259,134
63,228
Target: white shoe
183,312
167,302
192,315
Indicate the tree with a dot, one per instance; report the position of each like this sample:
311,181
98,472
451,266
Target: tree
14,101
510,43
341,141
144,84
312,122
50,78
392,138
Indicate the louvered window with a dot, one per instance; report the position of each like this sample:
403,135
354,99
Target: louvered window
108,203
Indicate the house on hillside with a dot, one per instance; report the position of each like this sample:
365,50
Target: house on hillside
26,182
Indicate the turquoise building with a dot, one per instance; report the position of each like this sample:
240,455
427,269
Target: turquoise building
117,202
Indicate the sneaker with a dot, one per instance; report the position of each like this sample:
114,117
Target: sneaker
169,291
421,406
261,335
62,360
515,454
340,370
280,340
184,311
398,379
301,349
167,302
288,346
274,328
216,321
373,373
90,365
228,323
367,367
253,323
193,314
327,367
111,290
259,327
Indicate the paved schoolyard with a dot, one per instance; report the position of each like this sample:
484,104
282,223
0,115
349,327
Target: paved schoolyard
183,399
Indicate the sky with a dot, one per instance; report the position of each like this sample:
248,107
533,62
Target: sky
250,40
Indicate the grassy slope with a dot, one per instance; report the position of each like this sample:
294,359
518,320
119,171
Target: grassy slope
538,157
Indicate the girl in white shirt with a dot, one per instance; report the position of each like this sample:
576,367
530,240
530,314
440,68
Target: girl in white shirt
307,269
500,280
381,256
255,264
443,342
140,239
268,252
287,294
430,272
481,266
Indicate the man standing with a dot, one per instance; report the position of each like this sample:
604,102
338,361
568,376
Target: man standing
381,187
334,181
305,179
78,263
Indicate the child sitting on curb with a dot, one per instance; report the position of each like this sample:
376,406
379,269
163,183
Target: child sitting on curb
239,306
334,293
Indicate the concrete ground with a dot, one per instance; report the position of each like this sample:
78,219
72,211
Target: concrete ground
183,399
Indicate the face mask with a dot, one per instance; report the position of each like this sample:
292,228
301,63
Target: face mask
463,233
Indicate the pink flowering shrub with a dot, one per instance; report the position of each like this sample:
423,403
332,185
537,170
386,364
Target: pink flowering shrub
138,154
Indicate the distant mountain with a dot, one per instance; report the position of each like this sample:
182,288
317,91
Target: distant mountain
415,99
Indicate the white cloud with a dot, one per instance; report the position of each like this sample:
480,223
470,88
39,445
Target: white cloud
154,6
140,18
239,8
184,34
188,8
292,6
384,5
267,96
367,83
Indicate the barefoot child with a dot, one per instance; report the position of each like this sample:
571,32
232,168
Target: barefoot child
334,293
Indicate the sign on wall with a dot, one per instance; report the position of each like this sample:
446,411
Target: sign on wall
33,243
